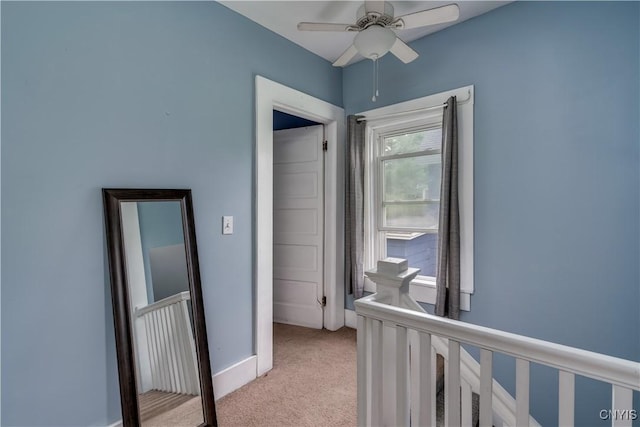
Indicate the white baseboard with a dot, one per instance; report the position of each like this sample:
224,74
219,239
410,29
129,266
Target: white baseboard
228,380
350,319
234,377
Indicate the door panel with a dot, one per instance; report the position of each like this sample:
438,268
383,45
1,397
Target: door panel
296,260
298,234
296,221
291,186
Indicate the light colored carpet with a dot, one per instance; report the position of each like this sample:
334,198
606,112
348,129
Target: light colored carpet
312,383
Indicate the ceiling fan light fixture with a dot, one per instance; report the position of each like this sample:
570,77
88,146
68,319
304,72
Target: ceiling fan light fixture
374,42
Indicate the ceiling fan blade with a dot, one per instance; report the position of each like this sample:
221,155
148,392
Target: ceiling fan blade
376,6
319,26
402,51
346,56
331,9
433,16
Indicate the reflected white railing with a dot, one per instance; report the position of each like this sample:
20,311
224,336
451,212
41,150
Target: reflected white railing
172,352
397,346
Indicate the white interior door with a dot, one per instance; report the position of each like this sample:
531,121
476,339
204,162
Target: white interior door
298,226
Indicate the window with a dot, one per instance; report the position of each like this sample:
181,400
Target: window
408,169
402,194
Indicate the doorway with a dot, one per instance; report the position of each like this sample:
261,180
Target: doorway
298,221
274,96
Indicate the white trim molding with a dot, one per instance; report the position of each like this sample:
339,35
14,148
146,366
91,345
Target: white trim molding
234,377
274,96
350,319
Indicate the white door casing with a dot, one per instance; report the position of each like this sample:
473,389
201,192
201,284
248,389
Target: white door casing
269,96
137,285
298,235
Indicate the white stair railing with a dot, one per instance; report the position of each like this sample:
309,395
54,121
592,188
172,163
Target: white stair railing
397,344
172,353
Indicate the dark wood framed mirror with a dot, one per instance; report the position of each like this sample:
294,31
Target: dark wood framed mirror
161,340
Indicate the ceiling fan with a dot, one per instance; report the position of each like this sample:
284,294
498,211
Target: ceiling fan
375,24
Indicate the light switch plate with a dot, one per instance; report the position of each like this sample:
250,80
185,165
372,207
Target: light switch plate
227,225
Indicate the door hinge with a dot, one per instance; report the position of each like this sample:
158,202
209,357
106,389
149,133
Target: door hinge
324,301
325,146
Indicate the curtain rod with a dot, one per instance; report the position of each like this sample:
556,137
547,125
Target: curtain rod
402,113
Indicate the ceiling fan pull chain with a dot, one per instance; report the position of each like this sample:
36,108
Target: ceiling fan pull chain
377,75
375,78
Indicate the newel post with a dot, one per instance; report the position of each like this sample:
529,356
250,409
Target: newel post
390,368
392,278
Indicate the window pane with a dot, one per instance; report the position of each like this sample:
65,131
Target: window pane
430,139
419,249
423,215
412,178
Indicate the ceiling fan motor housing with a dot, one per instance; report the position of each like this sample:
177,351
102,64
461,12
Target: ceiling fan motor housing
383,18
374,42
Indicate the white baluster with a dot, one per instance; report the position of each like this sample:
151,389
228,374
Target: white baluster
414,377
402,377
376,373
153,357
185,343
161,353
162,384
177,350
421,375
190,344
486,388
388,374
621,405
522,393
171,332
566,399
447,401
362,382
167,349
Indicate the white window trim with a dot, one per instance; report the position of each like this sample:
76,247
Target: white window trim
407,112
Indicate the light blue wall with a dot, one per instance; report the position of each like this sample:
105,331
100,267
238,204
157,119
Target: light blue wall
556,172
156,95
160,225
122,94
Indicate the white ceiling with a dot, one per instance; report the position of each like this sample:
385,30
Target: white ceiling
283,16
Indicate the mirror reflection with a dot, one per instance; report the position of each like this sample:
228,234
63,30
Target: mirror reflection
167,375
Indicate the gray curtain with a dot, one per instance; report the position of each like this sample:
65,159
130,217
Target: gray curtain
354,206
448,274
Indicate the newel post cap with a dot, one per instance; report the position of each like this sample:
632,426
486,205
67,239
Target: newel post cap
393,273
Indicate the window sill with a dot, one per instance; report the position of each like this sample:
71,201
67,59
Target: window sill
425,291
